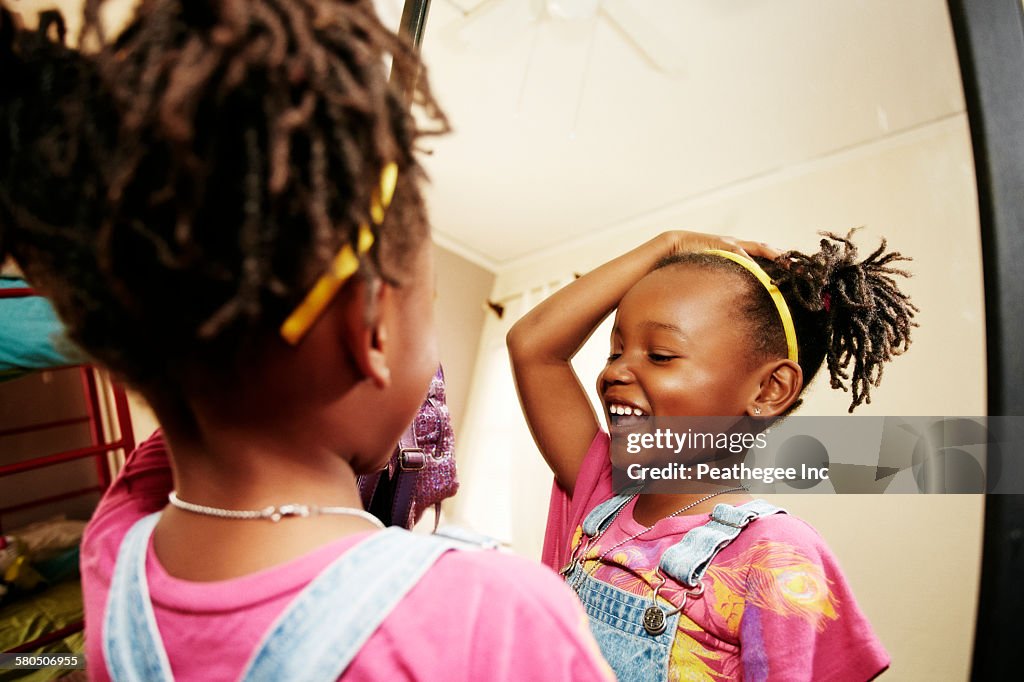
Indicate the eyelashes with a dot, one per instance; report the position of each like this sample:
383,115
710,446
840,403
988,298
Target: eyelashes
658,358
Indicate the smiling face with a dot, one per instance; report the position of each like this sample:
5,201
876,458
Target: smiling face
679,348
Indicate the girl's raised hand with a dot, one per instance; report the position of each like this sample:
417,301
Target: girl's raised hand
684,241
541,345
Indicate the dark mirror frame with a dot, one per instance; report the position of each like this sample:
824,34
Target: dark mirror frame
990,43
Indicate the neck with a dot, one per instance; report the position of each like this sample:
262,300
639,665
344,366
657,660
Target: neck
247,468
273,434
652,507
252,469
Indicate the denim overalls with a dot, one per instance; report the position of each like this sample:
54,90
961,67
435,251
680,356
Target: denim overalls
356,592
635,633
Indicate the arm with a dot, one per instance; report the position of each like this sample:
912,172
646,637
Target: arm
800,620
542,344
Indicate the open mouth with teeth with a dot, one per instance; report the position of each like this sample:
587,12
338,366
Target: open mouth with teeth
626,416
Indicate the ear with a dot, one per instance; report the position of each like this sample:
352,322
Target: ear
366,330
779,386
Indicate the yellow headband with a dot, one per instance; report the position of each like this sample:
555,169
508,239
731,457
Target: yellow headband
344,265
773,291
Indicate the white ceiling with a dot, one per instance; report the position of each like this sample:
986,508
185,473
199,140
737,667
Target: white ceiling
564,127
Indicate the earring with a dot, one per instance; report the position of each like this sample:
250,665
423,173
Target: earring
757,410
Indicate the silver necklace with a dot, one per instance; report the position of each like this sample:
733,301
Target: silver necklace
272,513
578,582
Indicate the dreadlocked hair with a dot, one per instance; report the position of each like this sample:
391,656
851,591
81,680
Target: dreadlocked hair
177,190
845,311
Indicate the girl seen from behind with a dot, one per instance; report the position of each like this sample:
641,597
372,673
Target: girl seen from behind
223,204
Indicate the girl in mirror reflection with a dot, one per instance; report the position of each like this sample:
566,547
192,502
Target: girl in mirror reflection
706,583
223,205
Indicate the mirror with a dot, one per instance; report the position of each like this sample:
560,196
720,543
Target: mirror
584,128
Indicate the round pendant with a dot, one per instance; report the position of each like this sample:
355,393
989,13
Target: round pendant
654,620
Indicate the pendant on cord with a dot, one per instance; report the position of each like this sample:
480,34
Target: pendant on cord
654,620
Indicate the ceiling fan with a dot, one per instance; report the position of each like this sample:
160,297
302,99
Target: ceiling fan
486,23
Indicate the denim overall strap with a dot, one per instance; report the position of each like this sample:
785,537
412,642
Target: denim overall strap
316,637
324,628
688,559
602,515
131,641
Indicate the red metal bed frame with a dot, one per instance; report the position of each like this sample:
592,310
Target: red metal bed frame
101,447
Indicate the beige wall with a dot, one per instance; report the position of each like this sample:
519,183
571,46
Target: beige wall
462,291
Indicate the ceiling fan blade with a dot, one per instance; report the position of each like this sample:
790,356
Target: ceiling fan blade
489,25
649,35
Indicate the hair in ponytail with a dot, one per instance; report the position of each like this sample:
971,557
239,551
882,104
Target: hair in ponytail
849,314
865,320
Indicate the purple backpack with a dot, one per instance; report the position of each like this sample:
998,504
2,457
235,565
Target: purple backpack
421,472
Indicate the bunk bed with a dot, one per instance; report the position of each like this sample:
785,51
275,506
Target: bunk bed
41,610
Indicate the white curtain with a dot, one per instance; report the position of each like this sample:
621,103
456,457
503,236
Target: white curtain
505,483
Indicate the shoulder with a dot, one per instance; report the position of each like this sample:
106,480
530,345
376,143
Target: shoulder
510,581
783,527
493,615
140,488
464,575
778,541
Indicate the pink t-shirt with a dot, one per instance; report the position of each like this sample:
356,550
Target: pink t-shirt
775,606
475,615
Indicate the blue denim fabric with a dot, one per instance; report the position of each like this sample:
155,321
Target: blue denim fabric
616,616
133,653
355,593
616,621
688,559
601,516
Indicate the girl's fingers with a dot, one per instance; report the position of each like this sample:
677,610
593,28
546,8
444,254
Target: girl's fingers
760,249
746,248
698,241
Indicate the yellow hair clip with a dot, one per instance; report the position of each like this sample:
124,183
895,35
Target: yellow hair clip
344,264
773,291
380,202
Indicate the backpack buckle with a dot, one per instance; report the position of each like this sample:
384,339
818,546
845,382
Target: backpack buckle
412,459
